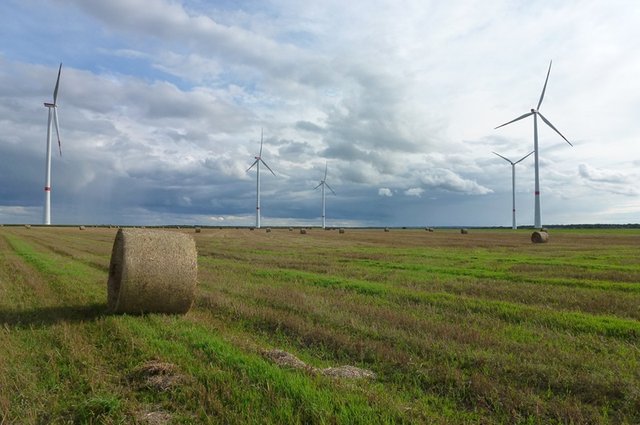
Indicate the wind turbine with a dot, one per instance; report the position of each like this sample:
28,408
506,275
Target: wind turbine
535,113
257,163
513,185
53,119
324,184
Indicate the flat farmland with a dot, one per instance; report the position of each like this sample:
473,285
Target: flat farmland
457,329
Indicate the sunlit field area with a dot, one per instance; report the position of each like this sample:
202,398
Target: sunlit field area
455,329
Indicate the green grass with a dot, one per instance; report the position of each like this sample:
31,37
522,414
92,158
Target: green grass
459,329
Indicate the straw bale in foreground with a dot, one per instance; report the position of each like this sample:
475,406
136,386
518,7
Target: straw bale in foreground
152,271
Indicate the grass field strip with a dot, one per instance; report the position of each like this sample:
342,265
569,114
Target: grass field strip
456,334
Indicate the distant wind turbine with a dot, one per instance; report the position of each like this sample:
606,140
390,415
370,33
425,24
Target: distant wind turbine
322,184
257,164
535,113
513,185
53,119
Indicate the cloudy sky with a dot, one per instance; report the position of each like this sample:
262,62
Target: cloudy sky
162,102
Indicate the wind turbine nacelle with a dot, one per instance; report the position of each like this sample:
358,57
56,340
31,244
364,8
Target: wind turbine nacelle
533,110
49,105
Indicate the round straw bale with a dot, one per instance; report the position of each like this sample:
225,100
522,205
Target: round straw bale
539,237
303,231
27,226
198,229
544,229
82,227
430,229
251,228
341,230
464,231
291,229
386,229
268,230
152,271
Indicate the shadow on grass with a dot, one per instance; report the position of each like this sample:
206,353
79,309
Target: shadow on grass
44,316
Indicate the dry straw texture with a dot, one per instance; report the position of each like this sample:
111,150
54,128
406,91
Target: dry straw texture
539,237
152,271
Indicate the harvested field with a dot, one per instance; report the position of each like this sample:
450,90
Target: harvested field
458,329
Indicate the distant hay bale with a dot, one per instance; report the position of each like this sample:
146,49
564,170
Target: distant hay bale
303,231
27,226
198,230
386,229
544,229
82,227
152,271
463,231
291,229
268,230
539,237
341,230
430,229
251,228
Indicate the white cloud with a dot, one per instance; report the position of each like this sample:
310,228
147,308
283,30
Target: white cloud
385,191
414,191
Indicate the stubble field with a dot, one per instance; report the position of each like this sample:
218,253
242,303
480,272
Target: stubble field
479,328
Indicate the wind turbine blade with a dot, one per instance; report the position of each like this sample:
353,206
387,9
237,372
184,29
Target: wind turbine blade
545,86
517,119
555,129
503,157
55,120
55,91
329,187
325,171
254,163
265,164
524,157
318,186
261,135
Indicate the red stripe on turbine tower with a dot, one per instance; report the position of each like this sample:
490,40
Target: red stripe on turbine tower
537,193
47,189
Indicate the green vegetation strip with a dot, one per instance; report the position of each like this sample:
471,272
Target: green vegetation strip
509,312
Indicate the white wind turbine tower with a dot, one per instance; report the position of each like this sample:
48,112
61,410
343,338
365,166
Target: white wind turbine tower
257,163
53,119
324,184
513,185
535,113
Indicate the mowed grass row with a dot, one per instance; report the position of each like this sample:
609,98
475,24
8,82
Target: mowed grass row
479,328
